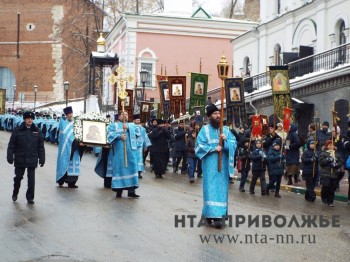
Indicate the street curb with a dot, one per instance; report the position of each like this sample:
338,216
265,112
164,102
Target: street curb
300,190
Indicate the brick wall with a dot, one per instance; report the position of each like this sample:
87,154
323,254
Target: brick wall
52,48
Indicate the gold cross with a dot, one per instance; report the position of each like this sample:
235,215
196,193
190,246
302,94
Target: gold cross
121,80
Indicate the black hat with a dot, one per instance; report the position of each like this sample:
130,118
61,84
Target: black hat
136,116
116,117
68,110
325,123
54,115
108,116
211,109
272,125
28,114
159,121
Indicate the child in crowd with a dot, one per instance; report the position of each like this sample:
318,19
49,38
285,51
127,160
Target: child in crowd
259,160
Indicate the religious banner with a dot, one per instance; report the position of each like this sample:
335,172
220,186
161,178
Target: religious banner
155,110
145,111
164,99
2,101
264,125
198,94
128,104
177,94
287,118
280,89
335,119
235,103
256,126
198,113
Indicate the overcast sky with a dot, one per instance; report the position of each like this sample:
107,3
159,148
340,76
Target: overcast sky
214,7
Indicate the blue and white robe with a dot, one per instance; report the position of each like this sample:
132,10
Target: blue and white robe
124,177
142,143
64,164
215,183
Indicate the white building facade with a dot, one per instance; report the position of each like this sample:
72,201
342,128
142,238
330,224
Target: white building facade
285,27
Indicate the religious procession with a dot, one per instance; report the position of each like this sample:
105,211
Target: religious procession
205,144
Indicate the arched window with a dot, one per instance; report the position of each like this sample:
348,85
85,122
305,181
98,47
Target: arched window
277,54
247,67
147,60
342,37
7,80
278,6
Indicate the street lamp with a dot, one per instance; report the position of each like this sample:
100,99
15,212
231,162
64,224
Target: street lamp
35,91
66,88
14,95
143,78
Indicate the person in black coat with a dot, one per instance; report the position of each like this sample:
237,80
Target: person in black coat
275,159
159,137
25,149
267,144
180,136
244,156
310,170
259,160
292,155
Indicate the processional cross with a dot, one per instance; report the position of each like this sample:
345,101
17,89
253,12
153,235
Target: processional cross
121,79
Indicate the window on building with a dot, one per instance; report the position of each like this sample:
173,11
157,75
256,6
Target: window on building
7,80
147,60
247,67
342,37
149,68
277,55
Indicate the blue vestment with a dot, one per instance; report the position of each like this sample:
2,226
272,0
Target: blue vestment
215,183
142,143
64,163
124,177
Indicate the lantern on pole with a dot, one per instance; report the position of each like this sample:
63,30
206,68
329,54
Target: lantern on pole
223,68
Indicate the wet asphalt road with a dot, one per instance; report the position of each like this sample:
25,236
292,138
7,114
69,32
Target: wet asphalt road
90,224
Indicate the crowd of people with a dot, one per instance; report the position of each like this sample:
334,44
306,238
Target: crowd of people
320,160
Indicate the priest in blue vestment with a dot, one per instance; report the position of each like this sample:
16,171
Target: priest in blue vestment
124,177
104,163
215,183
70,152
143,143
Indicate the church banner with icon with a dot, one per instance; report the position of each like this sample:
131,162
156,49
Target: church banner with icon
164,98
145,111
235,103
256,126
128,103
198,94
2,101
177,94
287,118
279,76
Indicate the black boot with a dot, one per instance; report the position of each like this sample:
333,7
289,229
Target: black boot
277,194
290,182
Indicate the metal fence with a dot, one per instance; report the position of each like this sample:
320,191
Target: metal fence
323,61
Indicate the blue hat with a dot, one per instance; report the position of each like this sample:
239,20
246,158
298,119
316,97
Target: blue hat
68,110
116,117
